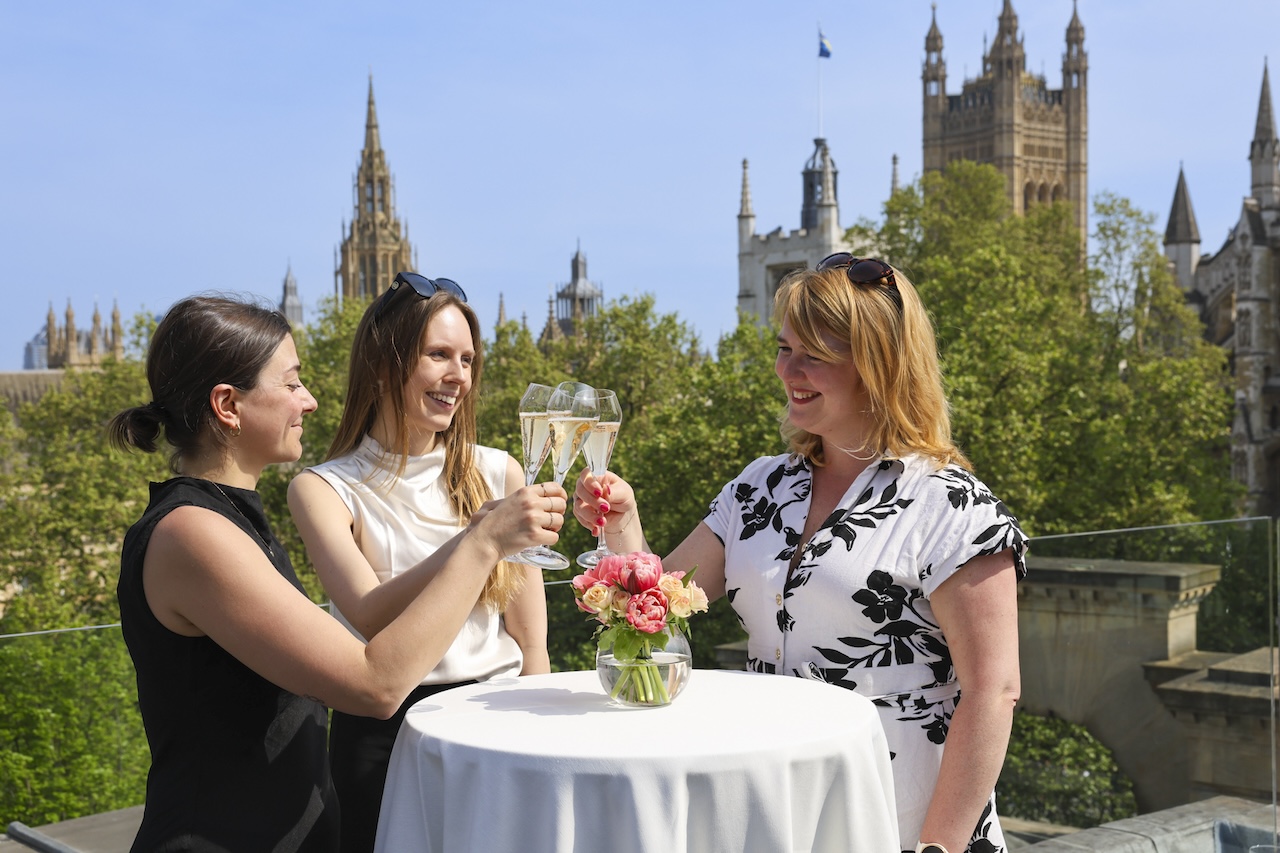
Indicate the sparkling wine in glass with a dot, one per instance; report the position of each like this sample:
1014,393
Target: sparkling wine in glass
597,451
535,444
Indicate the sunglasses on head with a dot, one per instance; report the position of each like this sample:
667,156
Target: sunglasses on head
860,270
423,286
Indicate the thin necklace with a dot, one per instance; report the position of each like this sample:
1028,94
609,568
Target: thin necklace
270,551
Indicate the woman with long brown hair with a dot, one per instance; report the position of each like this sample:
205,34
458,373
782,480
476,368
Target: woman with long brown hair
404,475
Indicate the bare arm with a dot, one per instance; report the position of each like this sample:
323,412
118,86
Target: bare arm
526,616
324,522
204,576
977,609
611,499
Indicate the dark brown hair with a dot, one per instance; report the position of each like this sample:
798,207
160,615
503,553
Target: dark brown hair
201,342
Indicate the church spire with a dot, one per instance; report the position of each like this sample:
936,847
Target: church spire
744,209
1264,152
372,142
1182,218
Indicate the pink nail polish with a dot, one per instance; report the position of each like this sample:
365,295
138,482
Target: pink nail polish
597,493
604,506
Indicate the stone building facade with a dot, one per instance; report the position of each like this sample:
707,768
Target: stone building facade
58,347
375,246
1237,291
1035,136
765,259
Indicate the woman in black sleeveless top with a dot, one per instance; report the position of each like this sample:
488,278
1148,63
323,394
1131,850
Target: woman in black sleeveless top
235,664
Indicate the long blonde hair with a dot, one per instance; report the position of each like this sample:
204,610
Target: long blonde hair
389,341
892,343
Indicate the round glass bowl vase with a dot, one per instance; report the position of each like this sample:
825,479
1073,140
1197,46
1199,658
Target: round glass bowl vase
647,681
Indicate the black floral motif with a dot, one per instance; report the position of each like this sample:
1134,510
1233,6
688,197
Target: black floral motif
852,615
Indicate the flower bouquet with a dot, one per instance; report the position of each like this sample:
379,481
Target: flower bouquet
642,657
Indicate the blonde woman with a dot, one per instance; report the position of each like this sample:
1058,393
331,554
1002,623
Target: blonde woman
869,556
403,477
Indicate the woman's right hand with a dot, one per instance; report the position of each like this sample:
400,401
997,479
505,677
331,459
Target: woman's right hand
532,515
606,502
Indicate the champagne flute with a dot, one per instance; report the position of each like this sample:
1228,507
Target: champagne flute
535,444
597,451
572,412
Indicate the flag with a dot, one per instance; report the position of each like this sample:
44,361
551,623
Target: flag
824,46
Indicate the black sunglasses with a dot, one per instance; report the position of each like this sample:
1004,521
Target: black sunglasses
860,270
423,286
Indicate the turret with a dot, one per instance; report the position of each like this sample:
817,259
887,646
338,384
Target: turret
1182,237
934,78
820,209
1075,103
746,216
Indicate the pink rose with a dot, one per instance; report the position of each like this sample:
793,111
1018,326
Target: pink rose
647,611
609,569
642,572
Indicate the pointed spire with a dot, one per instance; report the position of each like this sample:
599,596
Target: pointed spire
502,310
893,182
744,209
1008,20
1265,130
1182,218
933,38
1075,29
372,142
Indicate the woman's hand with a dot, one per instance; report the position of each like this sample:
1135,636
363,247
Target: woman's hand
606,502
532,515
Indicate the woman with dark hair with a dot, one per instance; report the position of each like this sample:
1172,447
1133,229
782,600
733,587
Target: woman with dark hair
404,474
235,665
869,556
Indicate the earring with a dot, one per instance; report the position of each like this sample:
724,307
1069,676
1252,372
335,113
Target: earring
234,431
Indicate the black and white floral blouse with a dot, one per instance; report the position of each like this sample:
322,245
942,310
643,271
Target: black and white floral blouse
855,611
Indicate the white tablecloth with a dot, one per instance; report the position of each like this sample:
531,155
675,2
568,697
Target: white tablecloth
546,764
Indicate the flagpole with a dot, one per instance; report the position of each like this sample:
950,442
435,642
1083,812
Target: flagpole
819,61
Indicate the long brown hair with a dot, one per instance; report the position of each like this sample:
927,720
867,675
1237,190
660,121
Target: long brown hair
202,341
389,341
894,348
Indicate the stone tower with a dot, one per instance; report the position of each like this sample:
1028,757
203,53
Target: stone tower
1036,136
1237,291
574,301
375,247
765,259
290,304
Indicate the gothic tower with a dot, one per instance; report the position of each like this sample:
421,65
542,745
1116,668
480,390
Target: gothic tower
375,247
1035,136
1237,291
290,304
765,259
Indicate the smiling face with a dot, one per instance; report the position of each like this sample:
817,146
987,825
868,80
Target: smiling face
438,383
271,412
824,398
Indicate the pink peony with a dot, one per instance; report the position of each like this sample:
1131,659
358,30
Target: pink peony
647,611
642,571
609,569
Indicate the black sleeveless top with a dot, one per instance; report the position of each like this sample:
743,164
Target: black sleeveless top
237,763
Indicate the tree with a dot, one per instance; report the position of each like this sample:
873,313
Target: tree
1083,391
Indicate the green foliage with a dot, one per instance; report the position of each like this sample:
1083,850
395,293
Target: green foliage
1084,393
1056,772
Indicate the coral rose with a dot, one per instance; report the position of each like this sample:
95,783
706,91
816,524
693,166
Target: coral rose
647,611
642,572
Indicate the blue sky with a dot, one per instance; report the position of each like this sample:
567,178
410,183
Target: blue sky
153,150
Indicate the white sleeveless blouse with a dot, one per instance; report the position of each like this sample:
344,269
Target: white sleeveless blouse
400,521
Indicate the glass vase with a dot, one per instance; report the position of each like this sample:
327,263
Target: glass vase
653,678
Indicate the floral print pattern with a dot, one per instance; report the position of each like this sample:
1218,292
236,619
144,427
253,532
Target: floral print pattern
854,608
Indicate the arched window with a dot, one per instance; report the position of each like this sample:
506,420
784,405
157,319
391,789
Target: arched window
1028,196
1043,196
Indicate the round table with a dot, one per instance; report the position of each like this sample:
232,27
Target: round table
547,764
